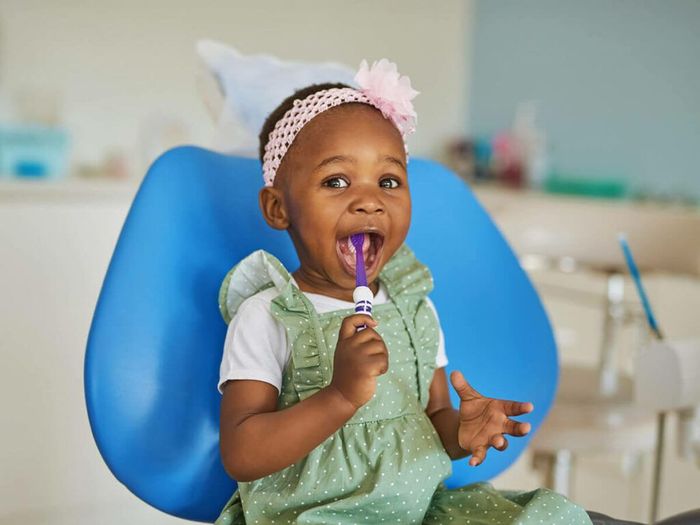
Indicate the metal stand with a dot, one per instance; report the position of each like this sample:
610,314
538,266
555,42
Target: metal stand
615,317
557,468
658,459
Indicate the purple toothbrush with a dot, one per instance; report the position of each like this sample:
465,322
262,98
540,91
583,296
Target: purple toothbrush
362,295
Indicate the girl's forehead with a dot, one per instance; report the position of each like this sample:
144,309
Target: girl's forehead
349,130
349,127
345,115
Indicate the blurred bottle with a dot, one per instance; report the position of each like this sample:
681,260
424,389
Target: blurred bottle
506,161
531,145
460,157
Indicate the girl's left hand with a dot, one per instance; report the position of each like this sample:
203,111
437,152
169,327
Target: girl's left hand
484,420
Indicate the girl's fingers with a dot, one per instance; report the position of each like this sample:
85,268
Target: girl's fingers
499,442
517,408
349,326
478,455
516,428
365,336
380,363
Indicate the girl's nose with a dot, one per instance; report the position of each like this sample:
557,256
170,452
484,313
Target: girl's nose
367,203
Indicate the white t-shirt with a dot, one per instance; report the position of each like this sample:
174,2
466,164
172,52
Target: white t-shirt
256,342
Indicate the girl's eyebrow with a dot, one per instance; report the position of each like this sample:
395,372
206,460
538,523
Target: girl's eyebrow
389,158
352,160
335,158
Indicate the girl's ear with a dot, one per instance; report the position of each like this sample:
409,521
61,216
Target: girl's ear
273,208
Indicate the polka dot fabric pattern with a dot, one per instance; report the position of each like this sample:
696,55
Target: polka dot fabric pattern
303,110
482,504
387,463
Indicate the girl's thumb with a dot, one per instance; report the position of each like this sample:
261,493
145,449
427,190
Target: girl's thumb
459,383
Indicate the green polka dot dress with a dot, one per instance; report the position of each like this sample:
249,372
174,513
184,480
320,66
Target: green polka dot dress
387,463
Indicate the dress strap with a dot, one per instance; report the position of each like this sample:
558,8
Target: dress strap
405,275
304,337
408,282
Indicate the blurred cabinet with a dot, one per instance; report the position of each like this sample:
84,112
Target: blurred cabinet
665,238
57,240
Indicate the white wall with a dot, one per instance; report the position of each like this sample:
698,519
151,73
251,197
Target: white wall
116,62
616,84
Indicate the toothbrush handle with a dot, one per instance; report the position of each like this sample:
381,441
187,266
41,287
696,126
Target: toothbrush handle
363,298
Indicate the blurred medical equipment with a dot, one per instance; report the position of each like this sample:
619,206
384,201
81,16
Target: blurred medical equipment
595,410
667,378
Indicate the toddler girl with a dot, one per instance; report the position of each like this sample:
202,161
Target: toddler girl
322,422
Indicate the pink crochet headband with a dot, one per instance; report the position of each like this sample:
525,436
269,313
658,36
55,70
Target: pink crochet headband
381,87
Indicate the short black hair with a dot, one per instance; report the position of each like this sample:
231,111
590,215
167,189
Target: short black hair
285,106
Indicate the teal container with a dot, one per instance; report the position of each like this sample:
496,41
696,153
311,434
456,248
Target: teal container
586,187
32,150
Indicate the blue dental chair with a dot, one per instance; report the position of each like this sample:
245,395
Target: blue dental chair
156,340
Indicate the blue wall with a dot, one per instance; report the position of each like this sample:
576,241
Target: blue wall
617,84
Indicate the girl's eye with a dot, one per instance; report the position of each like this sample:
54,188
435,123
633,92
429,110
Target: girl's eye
340,182
390,179
333,182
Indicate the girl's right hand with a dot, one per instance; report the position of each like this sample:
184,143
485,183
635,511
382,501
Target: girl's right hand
359,358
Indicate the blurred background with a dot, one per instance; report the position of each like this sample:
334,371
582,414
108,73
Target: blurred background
572,121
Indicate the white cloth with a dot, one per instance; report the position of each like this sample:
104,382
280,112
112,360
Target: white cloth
252,86
256,343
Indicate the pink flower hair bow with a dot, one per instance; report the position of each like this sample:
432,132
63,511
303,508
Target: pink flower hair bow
390,92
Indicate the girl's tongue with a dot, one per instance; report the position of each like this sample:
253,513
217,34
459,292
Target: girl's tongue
346,251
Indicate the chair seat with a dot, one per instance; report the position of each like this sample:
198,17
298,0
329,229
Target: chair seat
691,517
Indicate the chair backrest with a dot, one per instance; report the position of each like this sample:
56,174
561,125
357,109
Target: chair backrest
156,339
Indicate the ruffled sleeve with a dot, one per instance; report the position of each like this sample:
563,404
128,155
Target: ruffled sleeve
254,273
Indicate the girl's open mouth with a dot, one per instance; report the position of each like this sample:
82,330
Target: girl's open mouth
371,251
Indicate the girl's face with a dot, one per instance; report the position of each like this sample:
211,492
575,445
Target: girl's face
345,173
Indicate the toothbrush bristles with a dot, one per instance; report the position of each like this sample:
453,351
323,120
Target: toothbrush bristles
358,240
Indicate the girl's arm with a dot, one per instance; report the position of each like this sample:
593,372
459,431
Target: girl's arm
444,417
256,439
